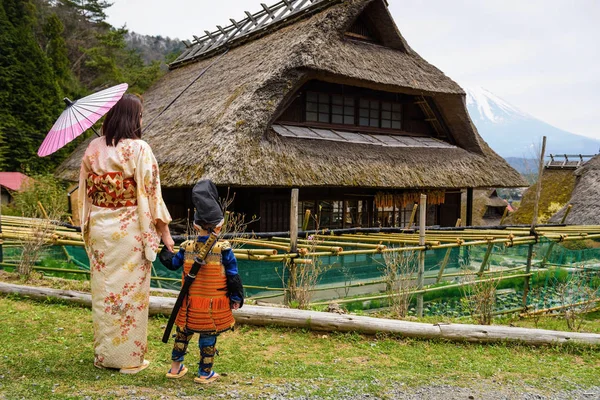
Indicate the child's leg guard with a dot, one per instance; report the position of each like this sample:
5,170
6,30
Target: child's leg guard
207,354
182,339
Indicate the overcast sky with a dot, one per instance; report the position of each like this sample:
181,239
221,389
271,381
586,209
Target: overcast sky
542,56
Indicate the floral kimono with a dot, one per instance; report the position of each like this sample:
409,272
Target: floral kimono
121,202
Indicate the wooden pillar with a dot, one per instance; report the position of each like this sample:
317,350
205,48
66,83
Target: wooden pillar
539,184
469,206
534,220
393,216
421,272
294,220
293,279
527,271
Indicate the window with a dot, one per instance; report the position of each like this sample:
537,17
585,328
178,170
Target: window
337,109
391,115
303,219
331,213
318,107
369,113
342,110
356,213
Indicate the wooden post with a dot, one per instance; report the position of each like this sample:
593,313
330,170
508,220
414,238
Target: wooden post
446,259
539,184
306,219
547,256
534,220
412,215
421,273
294,221
486,257
527,270
39,203
567,211
469,206
293,281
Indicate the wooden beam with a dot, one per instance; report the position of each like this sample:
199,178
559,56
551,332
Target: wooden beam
421,271
469,206
486,258
294,220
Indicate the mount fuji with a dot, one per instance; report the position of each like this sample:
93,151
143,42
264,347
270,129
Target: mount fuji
511,132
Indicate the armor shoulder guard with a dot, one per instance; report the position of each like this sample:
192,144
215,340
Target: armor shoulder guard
221,245
187,246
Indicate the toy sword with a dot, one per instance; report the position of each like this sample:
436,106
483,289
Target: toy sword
188,280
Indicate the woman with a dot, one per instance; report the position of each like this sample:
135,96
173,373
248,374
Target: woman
123,219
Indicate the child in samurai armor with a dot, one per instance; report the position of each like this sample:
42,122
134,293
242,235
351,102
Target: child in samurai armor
217,289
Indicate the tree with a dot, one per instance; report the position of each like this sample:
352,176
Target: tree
56,51
30,101
91,10
50,49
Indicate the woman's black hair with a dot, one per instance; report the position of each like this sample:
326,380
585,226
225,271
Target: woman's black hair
123,121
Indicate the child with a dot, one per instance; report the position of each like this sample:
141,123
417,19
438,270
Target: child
217,290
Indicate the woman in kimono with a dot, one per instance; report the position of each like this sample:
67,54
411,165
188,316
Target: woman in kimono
123,219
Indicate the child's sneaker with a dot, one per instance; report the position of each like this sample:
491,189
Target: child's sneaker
207,379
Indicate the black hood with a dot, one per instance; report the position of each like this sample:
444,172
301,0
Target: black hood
206,201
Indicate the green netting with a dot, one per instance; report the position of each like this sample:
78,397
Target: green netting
553,265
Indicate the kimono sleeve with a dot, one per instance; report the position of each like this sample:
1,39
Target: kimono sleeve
82,198
148,180
151,206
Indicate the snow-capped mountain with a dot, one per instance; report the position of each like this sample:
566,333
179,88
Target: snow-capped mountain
512,132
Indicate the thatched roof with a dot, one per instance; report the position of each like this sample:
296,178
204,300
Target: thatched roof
221,127
585,195
557,186
482,200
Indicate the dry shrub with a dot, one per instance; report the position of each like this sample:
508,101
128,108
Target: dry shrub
305,273
44,199
399,271
577,299
33,243
480,296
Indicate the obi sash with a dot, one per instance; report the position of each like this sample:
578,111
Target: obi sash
111,190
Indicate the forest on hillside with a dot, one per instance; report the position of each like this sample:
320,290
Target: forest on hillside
52,49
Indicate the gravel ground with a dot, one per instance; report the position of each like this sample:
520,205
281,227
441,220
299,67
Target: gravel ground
479,390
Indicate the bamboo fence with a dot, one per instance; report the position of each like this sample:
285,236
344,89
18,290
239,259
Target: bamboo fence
16,230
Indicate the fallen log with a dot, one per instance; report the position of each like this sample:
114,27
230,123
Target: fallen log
322,321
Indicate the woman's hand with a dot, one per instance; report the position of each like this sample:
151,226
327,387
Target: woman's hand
165,235
168,241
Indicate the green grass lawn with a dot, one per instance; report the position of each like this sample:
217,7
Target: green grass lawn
46,352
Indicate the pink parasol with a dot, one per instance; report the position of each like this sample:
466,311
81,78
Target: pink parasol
80,116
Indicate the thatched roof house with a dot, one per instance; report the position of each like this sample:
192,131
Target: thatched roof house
584,197
557,185
328,98
488,207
